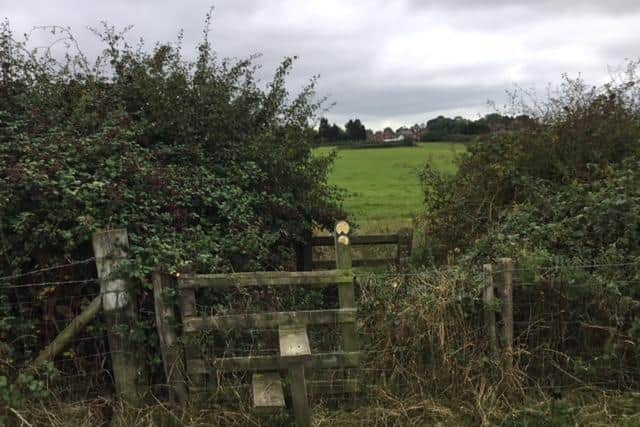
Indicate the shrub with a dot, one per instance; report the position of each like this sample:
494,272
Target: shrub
206,167
579,127
198,162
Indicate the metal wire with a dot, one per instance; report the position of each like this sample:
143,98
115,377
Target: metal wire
42,270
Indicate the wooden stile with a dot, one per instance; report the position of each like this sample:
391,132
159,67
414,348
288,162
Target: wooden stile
295,354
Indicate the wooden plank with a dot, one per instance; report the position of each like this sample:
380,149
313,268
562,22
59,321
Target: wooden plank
376,262
266,278
267,390
274,363
172,361
301,410
62,340
371,239
506,267
269,320
489,308
333,386
294,343
196,378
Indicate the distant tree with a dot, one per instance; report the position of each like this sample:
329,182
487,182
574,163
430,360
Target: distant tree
328,133
335,133
355,130
324,129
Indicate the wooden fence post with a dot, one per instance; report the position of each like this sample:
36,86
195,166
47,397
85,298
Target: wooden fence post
304,254
506,293
489,301
346,292
120,313
172,360
405,240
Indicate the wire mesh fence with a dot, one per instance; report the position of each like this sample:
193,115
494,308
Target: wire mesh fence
574,325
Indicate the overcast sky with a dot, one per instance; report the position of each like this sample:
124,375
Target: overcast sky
388,62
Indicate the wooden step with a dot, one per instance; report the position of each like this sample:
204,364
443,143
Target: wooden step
294,343
267,391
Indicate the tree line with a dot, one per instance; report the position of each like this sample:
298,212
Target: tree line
440,128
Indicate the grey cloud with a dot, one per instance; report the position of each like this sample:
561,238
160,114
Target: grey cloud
383,60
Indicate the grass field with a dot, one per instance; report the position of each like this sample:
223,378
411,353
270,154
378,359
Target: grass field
382,183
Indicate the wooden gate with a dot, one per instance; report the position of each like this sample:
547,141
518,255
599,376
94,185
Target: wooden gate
295,355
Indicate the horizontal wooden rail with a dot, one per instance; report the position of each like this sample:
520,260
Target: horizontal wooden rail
274,363
267,278
372,239
270,320
377,262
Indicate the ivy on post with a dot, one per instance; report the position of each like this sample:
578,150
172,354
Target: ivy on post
120,311
346,293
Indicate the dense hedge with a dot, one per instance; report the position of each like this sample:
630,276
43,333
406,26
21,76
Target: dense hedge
562,200
205,168
583,131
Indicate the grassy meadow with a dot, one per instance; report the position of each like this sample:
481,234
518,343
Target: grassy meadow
383,189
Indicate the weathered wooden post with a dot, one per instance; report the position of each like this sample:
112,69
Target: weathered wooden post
346,292
506,293
304,254
120,311
405,240
489,301
172,360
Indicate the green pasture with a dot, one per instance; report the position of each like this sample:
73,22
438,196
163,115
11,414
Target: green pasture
383,189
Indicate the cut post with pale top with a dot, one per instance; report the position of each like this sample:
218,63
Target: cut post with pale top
120,313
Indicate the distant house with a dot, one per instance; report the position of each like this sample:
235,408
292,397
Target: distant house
388,134
397,138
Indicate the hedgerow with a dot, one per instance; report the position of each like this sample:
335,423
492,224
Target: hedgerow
207,168
201,163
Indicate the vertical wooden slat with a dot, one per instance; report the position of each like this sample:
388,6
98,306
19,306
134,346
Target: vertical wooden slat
196,379
488,298
165,323
299,399
304,253
405,240
506,293
346,293
120,311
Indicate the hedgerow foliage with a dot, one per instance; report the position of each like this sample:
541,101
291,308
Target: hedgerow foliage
582,132
205,166
563,200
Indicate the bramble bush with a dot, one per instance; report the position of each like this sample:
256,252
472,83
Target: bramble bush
207,167
562,199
